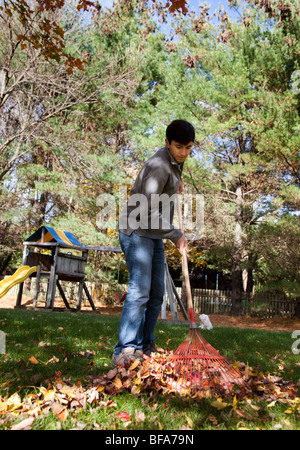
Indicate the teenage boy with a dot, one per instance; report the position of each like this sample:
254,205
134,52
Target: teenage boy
143,224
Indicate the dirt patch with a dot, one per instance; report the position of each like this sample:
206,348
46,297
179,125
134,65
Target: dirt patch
276,323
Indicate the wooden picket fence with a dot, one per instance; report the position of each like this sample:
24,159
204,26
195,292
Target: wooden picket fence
264,305
269,305
209,301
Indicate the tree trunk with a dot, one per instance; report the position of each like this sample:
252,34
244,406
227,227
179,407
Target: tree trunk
248,282
236,291
4,262
236,272
297,309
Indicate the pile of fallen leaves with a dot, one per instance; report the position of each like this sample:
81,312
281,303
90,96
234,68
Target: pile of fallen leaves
153,374
156,374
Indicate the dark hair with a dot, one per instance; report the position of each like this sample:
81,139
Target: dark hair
180,131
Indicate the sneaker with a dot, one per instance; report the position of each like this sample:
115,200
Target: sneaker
150,349
124,357
138,354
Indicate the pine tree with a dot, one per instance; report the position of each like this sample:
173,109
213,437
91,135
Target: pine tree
233,81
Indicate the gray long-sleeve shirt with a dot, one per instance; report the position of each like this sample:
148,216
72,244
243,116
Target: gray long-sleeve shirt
150,207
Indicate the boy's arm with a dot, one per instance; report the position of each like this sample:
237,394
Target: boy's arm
182,244
154,182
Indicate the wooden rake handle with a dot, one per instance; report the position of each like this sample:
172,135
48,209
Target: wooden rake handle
185,269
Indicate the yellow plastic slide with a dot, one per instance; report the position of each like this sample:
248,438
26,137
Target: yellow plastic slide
18,277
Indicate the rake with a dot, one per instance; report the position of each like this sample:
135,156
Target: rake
197,365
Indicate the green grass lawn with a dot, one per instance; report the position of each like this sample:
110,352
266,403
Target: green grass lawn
42,346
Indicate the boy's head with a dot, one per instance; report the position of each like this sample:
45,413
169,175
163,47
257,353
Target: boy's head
180,131
180,136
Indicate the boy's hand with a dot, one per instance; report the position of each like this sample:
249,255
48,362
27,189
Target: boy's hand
182,244
180,187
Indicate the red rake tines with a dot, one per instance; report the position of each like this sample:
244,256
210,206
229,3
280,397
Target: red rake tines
200,368
197,365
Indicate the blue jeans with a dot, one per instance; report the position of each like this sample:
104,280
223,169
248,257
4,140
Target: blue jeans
145,259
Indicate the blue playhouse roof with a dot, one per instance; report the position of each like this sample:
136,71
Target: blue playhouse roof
65,238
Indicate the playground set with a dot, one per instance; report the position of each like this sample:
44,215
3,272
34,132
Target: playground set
51,255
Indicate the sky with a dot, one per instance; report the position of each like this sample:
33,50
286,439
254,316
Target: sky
214,5
194,4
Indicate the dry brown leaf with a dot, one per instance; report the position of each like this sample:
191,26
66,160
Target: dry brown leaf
63,414
212,419
219,404
124,416
189,421
48,394
53,360
139,416
57,408
111,374
69,391
24,424
243,414
14,402
117,383
136,390
135,363
33,360
3,407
